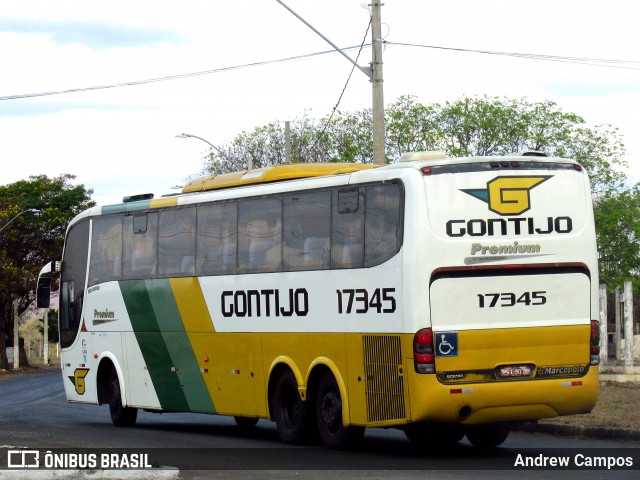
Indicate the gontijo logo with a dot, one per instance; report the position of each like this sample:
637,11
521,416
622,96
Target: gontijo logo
508,195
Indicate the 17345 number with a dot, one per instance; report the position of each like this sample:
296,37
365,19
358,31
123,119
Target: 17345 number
359,300
508,299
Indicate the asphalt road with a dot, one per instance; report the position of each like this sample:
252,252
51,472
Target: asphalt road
34,413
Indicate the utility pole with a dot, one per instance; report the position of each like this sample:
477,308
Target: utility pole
16,334
377,106
374,72
46,337
287,142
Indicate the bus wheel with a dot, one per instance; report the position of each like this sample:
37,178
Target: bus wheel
434,434
121,416
329,416
291,413
245,421
487,436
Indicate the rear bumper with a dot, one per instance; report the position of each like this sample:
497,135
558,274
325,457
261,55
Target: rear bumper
475,403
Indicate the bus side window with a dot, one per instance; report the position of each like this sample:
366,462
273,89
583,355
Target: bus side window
307,229
106,250
177,242
139,239
382,223
72,282
68,323
347,230
216,250
260,235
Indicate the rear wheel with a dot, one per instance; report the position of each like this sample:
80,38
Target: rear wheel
487,436
121,416
434,434
329,416
291,413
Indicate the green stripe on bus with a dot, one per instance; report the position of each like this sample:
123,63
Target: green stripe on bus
152,345
126,207
175,337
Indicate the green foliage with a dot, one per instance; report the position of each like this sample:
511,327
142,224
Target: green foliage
30,240
412,127
617,216
466,127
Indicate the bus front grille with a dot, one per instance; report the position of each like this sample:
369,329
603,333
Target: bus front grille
384,385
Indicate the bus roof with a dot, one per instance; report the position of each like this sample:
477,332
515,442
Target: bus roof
301,171
272,174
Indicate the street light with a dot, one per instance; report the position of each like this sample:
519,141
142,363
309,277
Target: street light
32,210
188,135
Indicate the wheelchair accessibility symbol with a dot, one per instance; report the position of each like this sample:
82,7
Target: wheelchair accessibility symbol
446,344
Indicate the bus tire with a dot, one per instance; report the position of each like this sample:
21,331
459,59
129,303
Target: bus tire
121,416
291,413
245,422
329,416
434,434
487,436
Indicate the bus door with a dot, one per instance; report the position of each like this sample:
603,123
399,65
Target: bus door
78,366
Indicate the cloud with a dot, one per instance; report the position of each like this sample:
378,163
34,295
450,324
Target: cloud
95,35
26,108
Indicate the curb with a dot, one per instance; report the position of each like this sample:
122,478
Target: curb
600,433
163,473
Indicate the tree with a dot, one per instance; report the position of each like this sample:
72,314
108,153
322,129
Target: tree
31,240
466,127
617,216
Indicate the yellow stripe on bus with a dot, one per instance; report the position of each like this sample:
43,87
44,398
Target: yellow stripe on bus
164,202
192,306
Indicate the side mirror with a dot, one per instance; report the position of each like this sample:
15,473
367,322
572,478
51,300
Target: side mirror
43,292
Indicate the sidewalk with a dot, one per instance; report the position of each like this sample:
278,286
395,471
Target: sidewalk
581,431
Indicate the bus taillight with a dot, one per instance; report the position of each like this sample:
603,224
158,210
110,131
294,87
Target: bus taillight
423,356
595,342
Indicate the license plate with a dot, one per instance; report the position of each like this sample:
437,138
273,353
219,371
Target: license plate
515,371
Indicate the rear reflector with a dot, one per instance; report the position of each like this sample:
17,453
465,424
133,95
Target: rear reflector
460,390
577,383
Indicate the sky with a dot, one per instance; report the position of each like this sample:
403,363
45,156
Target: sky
121,140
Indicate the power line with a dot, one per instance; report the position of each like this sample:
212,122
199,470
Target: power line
597,62
170,77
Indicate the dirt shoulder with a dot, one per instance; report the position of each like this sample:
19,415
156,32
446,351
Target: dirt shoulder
30,370
618,407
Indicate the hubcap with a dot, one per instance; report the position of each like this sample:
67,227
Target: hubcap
331,410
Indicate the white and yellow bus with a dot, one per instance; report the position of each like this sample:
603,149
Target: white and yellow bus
445,297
